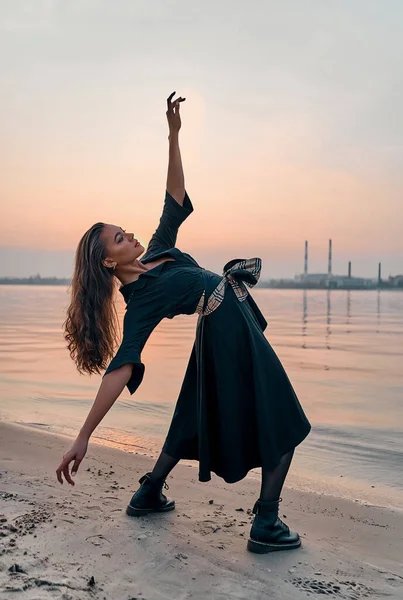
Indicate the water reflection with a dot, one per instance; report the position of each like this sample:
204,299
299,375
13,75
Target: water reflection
328,330
328,319
333,309
304,317
348,312
378,310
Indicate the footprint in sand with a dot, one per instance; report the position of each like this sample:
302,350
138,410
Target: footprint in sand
347,590
97,540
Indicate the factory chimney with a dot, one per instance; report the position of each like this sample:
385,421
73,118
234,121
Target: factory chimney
329,268
379,274
349,269
306,259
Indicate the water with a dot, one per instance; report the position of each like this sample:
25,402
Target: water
342,350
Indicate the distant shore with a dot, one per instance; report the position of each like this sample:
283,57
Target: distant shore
34,281
277,285
290,285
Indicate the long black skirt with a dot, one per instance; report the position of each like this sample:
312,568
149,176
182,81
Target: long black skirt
236,409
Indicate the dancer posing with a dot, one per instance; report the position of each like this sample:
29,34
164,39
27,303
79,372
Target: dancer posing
236,409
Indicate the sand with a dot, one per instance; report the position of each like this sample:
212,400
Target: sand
64,542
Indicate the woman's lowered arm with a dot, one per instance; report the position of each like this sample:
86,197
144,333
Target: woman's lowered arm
111,387
175,178
109,391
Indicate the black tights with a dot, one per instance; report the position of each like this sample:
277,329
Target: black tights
163,466
272,481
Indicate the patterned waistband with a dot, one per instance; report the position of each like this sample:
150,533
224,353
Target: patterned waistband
237,272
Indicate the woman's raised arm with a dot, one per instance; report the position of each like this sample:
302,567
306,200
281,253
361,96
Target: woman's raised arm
175,178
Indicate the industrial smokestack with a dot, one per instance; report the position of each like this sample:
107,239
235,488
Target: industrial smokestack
306,259
349,269
329,267
379,273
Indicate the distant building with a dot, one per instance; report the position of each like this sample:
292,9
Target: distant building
396,281
344,281
312,278
328,280
333,281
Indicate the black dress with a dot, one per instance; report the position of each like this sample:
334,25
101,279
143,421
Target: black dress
236,409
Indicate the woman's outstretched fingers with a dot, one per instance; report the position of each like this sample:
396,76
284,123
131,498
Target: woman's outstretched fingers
176,105
67,474
59,471
173,113
176,102
169,99
76,454
74,468
64,468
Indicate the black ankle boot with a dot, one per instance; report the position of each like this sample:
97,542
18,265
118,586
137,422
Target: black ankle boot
268,531
149,498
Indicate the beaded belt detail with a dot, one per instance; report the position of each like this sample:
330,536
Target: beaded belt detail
237,272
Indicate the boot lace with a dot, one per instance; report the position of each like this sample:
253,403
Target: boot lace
278,520
281,521
147,477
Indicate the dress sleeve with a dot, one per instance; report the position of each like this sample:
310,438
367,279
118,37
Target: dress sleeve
135,335
173,214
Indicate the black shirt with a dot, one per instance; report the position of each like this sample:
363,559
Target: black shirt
169,289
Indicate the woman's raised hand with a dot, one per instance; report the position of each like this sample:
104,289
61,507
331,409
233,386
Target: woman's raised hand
76,453
173,116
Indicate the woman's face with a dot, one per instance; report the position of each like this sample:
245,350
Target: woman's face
121,248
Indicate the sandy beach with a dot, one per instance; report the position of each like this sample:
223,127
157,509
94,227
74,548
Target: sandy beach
77,542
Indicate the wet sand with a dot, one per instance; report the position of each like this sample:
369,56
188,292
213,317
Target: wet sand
77,542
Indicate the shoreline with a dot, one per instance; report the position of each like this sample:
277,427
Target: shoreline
61,536
298,479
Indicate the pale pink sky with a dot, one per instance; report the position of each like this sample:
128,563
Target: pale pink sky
292,129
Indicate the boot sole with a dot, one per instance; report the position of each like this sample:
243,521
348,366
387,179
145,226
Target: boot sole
138,512
265,547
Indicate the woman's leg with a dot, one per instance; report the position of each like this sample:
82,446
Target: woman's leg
149,496
272,481
163,466
268,531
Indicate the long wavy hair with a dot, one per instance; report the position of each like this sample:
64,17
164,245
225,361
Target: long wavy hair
91,326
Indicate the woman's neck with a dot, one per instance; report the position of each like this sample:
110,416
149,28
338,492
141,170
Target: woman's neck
130,273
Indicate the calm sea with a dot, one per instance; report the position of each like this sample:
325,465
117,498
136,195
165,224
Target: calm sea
343,351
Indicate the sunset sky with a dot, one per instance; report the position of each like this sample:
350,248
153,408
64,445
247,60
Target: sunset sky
292,129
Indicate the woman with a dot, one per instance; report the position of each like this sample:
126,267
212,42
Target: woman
236,409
